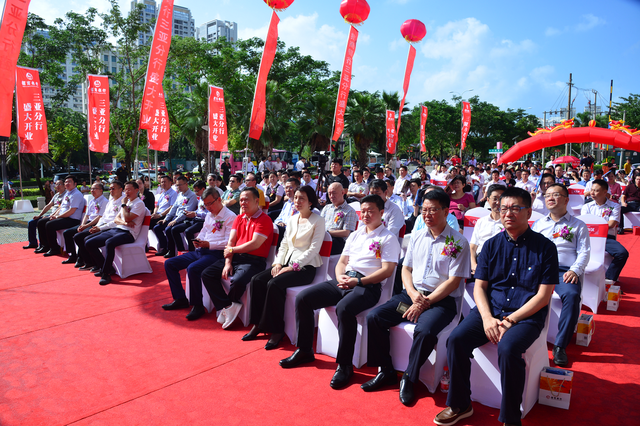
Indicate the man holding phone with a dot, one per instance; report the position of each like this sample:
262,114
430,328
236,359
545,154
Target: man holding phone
209,247
437,260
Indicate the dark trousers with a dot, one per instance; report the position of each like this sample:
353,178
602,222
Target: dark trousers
398,286
32,227
69,244
348,303
160,229
620,256
337,245
110,239
190,228
194,262
55,225
42,231
244,265
79,239
268,296
467,336
570,295
632,206
425,335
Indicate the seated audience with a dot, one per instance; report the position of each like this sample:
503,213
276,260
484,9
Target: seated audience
340,219
32,226
185,201
630,200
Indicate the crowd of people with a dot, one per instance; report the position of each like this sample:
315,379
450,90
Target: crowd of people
229,222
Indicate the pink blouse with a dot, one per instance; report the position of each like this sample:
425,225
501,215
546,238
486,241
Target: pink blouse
465,201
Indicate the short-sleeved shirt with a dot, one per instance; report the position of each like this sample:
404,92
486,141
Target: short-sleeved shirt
538,205
333,221
260,224
73,199
529,186
223,223
515,270
230,194
608,211
465,201
632,193
96,207
111,210
573,250
485,229
362,257
393,218
138,208
359,188
165,199
431,267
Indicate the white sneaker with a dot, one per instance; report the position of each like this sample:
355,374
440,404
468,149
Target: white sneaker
231,313
222,316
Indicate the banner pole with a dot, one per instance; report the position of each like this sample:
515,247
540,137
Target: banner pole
135,166
85,89
20,174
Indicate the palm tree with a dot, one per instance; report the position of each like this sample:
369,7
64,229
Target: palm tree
193,117
315,121
364,120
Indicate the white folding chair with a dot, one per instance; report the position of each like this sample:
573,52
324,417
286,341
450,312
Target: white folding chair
131,258
576,199
60,232
485,373
290,326
401,338
593,286
631,219
327,342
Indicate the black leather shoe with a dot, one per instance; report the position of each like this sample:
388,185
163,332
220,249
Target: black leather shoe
98,273
169,255
297,358
176,304
406,391
79,264
29,247
252,335
162,252
342,376
196,312
105,280
40,250
87,267
95,269
385,377
274,341
51,253
71,259
559,356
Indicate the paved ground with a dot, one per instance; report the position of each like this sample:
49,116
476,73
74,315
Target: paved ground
13,227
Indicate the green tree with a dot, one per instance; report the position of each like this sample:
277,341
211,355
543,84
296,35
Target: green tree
365,121
629,109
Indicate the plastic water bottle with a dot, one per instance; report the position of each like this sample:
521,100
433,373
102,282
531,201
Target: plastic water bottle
444,381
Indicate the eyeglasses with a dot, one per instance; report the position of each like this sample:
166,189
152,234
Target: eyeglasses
211,203
512,209
555,195
431,211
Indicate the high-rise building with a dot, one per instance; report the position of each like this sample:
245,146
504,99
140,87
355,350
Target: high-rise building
183,23
212,30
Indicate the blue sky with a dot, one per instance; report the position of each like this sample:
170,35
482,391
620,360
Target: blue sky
513,54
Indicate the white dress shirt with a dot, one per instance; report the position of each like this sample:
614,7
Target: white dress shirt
608,211
485,228
109,214
538,205
217,239
96,207
573,254
529,186
361,258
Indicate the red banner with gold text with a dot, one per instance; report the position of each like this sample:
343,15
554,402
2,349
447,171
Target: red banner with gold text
466,122
259,108
31,124
98,113
217,120
345,84
158,131
14,20
405,86
424,111
157,63
391,132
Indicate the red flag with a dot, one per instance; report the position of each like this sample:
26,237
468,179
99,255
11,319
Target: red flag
217,120
405,85
157,63
424,111
345,84
259,108
391,132
31,124
14,20
158,131
466,122
98,113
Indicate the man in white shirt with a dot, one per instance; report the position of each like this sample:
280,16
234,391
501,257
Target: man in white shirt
571,237
538,205
495,180
186,201
550,162
397,187
306,180
487,226
300,164
525,183
128,225
209,245
369,257
95,210
603,207
358,189
288,208
431,282
392,218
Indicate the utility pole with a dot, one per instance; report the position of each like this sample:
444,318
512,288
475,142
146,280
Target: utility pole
544,125
567,146
595,115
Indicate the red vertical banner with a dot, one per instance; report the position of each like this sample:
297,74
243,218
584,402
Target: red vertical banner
14,20
405,86
424,111
466,123
391,132
259,108
98,113
157,63
217,120
158,131
345,84
31,124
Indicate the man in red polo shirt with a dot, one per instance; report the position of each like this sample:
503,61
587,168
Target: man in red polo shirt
245,256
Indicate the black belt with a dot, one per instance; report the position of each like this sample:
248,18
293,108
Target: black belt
355,274
424,292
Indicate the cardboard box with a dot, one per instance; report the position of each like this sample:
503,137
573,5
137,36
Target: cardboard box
586,327
636,230
613,298
555,387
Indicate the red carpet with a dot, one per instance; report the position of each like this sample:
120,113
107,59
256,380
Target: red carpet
73,352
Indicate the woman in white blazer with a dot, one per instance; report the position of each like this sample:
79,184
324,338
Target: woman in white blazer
295,265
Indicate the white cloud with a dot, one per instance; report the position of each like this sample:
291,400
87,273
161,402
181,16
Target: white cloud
550,32
588,22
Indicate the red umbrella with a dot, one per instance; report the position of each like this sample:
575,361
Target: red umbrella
575,162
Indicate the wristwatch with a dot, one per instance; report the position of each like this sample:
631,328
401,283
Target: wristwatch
360,281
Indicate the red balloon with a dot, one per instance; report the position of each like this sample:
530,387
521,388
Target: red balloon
278,4
413,30
355,12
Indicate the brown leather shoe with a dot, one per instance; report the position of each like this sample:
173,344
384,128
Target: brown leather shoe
450,416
